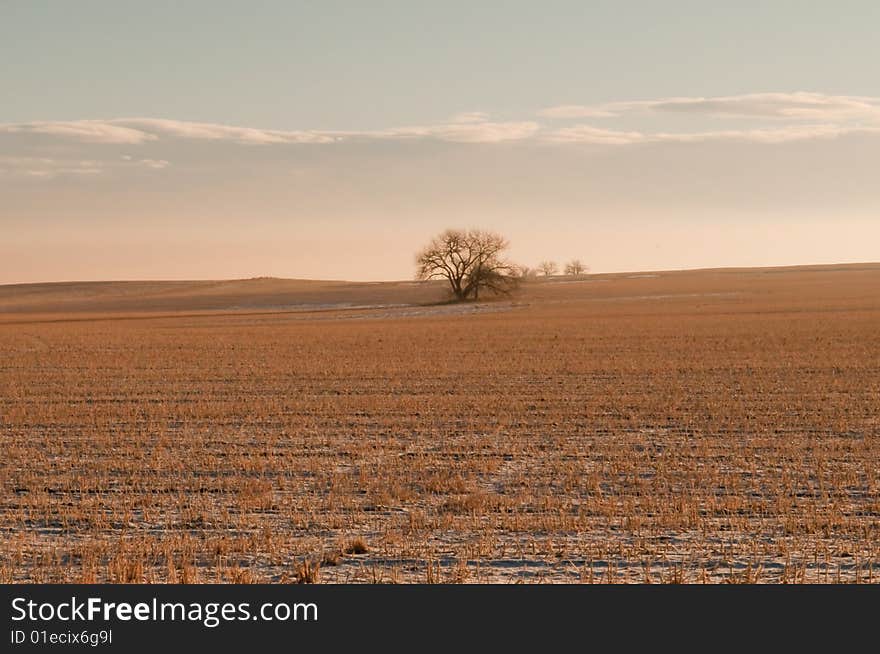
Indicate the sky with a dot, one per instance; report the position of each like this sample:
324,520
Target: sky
207,140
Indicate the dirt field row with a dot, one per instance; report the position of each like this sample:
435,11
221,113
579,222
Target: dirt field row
702,426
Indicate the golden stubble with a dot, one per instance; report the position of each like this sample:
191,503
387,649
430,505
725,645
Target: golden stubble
699,427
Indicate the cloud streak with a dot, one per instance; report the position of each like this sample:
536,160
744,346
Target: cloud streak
48,168
465,128
87,131
157,127
777,106
786,117
459,132
598,136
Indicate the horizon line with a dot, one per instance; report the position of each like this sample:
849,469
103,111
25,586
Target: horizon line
847,264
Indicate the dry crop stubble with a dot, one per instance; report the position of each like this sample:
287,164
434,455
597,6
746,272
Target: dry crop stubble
704,426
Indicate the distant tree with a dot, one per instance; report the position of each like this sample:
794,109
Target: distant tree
472,261
575,268
548,268
525,272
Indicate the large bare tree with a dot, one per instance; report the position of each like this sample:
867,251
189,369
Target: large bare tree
472,261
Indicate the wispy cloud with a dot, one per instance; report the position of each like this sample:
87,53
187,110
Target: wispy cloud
595,135
769,136
459,132
787,116
786,106
465,128
578,111
47,168
470,117
50,168
157,127
598,136
88,131
157,164
781,118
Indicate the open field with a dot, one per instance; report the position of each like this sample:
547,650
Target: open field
690,426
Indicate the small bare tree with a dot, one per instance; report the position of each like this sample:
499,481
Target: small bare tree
548,268
470,260
525,272
575,268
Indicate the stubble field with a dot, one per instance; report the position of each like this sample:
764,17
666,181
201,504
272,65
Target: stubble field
696,426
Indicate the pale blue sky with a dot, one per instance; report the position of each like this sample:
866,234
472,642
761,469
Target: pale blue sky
634,135
358,65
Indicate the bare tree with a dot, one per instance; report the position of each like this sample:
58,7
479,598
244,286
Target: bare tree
525,272
548,268
575,268
470,260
